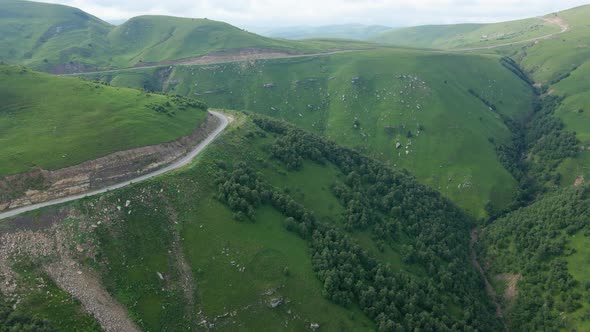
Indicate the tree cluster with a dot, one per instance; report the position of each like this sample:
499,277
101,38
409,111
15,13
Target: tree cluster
12,319
533,241
393,205
535,151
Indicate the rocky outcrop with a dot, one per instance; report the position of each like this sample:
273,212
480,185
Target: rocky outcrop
42,185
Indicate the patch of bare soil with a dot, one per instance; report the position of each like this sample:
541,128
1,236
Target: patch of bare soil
556,20
52,248
511,280
87,288
579,181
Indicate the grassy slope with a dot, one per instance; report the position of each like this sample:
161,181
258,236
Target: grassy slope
136,245
53,122
348,31
563,65
531,241
42,35
467,35
156,38
318,94
64,39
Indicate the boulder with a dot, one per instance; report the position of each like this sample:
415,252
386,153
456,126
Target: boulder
275,302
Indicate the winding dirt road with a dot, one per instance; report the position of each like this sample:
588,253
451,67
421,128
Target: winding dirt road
175,165
556,20
215,60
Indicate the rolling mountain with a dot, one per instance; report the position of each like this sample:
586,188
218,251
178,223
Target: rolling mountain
61,39
534,254
377,187
343,31
465,36
224,245
53,37
413,109
54,122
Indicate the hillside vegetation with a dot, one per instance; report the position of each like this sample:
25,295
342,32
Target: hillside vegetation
545,247
61,39
354,245
464,36
305,213
52,122
423,111
562,66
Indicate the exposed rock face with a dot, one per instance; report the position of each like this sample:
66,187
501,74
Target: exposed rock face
275,302
42,185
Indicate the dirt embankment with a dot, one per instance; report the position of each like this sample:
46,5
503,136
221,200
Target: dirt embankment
225,56
42,185
52,246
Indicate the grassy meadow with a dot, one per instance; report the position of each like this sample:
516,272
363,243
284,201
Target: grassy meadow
373,101
458,36
238,267
52,122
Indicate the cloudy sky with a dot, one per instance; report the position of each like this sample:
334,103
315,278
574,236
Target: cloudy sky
277,13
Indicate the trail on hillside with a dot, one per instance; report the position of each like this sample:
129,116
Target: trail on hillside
217,58
489,289
555,20
175,165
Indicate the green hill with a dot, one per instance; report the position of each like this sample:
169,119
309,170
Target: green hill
546,243
53,122
544,247
372,101
48,36
272,214
562,66
345,31
61,39
156,38
460,36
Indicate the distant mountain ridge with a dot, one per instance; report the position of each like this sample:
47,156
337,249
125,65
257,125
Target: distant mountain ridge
62,39
344,31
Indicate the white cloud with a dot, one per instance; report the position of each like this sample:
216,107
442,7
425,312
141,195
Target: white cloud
322,12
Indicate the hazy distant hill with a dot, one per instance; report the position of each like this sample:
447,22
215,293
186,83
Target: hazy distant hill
345,31
466,35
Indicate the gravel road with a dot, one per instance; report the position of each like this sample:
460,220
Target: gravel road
177,164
